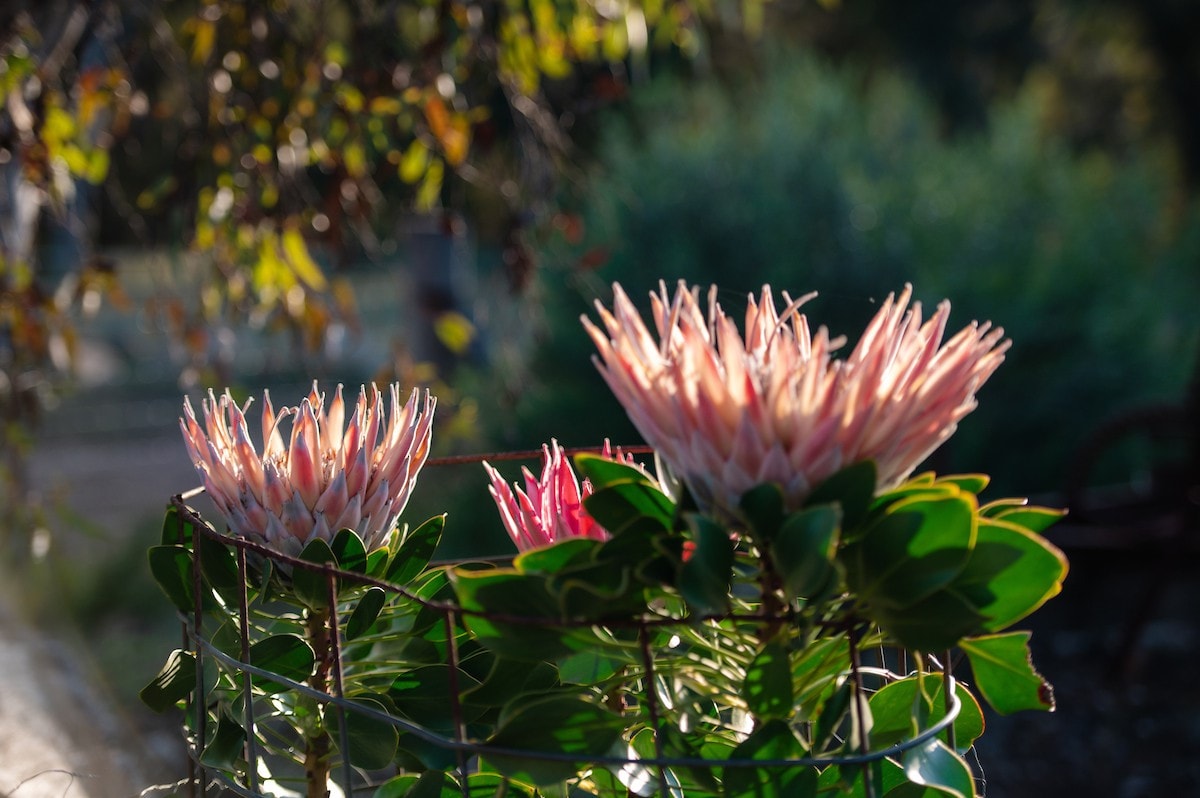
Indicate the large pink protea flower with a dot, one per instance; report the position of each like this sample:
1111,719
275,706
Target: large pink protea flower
550,508
325,479
728,413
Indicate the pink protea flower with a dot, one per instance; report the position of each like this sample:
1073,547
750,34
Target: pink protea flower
550,508
325,479
728,413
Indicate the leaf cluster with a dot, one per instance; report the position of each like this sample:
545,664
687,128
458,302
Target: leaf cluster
687,654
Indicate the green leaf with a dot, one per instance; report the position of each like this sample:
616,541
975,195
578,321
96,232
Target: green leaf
494,785
510,677
377,563
897,716
171,567
768,684
631,507
816,670
177,529
349,552
603,472
704,578
312,586
372,743
224,751
174,682
365,612
846,781
599,591
561,724
1031,518
763,509
690,746
804,549
439,784
1004,673
424,696
430,784
1011,572
219,566
853,488
505,592
398,786
916,547
971,483
832,715
286,655
416,551
557,556
934,765
934,623
772,740
589,667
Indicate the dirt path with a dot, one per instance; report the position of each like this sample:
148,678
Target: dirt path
62,733
58,734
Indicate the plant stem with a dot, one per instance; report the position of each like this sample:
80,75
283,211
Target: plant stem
316,741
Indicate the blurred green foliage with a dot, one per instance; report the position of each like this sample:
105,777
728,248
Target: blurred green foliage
818,178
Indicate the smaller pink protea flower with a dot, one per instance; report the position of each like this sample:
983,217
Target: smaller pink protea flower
729,411
325,479
550,508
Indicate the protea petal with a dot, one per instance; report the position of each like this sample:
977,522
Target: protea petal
728,410
550,508
319,478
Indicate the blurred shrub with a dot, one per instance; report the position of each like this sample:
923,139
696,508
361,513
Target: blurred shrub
820,179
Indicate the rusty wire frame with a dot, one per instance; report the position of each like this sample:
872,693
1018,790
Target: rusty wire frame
201,776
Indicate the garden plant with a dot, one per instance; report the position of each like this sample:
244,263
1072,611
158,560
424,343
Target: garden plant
773,604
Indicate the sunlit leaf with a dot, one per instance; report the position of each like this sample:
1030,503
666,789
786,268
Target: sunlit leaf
414,162
933,764
895,715
1004,673
174,682
1032,518
1010,574
302,263
767,688
772,740
431,186
917,546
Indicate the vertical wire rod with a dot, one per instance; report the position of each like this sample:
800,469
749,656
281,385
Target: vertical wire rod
859,711
335,645
198,629
455,705
247,682
652,707
187,646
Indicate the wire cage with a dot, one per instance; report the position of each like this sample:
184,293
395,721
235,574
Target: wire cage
257,689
